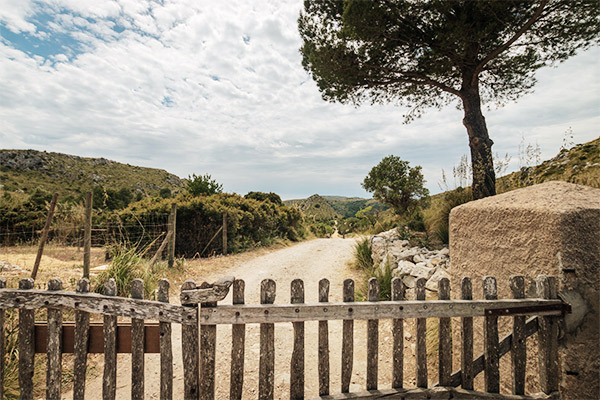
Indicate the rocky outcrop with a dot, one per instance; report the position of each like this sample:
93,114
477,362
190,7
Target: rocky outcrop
410,263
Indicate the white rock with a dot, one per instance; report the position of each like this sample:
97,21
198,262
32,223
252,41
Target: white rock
421,270
407,335
405,267
409,281
444,252
432,283
435,261
418,258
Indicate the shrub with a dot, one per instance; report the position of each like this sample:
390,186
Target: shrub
126,265
362,255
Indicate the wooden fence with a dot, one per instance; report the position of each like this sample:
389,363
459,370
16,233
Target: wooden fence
199,316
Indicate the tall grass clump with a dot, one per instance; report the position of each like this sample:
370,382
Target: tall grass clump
442,218
127,264
362,255
364,263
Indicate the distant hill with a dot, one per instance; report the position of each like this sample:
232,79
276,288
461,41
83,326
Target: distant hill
70,176
349,206
315,206
330,207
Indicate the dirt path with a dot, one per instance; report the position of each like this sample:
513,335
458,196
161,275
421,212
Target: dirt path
310,261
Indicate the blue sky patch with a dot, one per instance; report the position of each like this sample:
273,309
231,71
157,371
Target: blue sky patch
49,40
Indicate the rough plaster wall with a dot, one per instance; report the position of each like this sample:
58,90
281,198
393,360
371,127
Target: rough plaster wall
554,229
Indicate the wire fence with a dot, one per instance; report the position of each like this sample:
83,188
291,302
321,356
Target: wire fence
67,228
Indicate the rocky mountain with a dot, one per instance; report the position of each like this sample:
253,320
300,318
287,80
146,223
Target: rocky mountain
26,170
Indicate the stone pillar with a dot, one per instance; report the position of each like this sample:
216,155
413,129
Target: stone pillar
551,228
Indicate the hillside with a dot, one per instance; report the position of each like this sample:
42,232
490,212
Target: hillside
26,170
349,206
315,207
579,164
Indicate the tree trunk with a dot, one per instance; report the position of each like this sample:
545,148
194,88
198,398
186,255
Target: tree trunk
484,177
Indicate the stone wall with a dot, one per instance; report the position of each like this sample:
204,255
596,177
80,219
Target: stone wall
552,228
409,263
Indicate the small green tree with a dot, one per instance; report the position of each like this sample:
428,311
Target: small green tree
396,184
203,184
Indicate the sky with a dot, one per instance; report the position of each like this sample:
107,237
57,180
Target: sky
217,87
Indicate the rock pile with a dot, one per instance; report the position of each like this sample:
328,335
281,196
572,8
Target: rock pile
410,263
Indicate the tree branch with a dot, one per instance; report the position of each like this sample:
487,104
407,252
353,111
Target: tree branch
414,78
515,37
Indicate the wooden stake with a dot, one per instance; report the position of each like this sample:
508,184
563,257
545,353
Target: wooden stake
160,250
44,237
172,232
87,235
224,234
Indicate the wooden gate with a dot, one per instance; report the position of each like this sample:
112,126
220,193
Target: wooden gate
199,314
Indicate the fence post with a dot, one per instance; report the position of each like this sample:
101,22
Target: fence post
398,333
266,377
54,346
109,384
466,357
190,353
421,345
225,234
26,345
238,336
323,342
137,345
44,237
491,344
208,339
372,339
548,337
80,346
347,338
444,337
166,349
173,233
519,348
297,362
87,235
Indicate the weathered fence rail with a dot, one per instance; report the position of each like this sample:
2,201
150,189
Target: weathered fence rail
200,314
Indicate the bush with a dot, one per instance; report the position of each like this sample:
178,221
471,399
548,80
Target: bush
251,222
442,219
126,265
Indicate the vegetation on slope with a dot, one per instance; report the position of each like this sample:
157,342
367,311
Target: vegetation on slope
23,171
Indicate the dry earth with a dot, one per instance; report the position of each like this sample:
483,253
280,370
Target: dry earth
310,261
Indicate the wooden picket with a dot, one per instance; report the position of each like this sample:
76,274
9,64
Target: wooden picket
200,314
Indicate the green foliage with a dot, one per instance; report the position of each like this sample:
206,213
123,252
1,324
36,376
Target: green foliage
127,264
202,185
451,199
322,229
349,206
362,255
251,223
314,208
364,263
396,184
262,196
165,193
72,176
38,199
